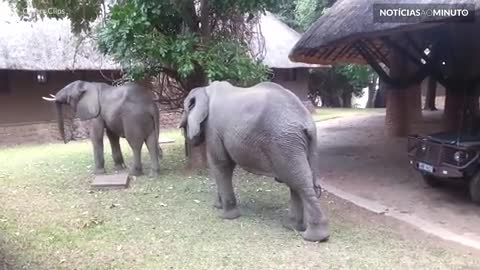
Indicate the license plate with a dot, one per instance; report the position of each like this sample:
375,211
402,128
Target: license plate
425,167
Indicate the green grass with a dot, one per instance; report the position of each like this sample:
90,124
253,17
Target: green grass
322,114
50,219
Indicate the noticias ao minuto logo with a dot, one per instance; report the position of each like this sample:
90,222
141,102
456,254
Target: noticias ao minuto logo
411,13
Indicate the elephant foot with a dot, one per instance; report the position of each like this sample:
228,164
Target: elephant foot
294,225
136,172
218,203
316,233
99,171
154,173
120,167
230,214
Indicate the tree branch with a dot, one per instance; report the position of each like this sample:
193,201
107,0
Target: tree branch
205,19
173,74
187,9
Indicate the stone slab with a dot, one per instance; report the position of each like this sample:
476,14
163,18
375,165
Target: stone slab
165,140
111,181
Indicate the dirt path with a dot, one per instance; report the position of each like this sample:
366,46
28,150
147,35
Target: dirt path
356,157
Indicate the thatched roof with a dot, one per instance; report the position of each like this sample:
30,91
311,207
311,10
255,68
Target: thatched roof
47,45
279,40
332,37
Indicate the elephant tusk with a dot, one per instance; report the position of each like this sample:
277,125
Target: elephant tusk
53,96
48,99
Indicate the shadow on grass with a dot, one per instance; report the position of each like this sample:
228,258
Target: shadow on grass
6,263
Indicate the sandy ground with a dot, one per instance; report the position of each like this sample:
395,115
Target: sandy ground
357,157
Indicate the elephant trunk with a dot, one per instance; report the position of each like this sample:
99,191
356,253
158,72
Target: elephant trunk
60,120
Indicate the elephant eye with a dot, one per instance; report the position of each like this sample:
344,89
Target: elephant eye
191,104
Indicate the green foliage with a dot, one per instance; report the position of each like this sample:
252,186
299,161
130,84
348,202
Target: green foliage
227,59
359,76
81,12
177,37
148,37
341,79
301,14
307,12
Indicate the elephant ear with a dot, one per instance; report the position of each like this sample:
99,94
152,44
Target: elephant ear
88,106
198,112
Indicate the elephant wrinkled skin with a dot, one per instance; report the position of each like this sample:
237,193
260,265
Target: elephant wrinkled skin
126,111
266,130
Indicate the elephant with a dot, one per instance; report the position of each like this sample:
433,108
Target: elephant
266,130
126,111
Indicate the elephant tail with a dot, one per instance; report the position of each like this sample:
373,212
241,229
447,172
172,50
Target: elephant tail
156,124
312,156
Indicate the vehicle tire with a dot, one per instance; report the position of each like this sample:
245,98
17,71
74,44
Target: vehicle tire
474,188
431,180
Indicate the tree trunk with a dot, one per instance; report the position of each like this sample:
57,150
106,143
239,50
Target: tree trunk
380,95
431,95
372,92
347,100
196,155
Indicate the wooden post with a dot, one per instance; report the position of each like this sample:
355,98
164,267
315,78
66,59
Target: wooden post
460,99
404,106
431,94
414,99
396,118
453,109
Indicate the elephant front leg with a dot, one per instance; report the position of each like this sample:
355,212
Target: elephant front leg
222,171
116,151
294,219
96,135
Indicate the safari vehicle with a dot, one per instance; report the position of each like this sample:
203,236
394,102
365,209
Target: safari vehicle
447,155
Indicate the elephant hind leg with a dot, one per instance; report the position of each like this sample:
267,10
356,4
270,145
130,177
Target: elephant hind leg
154,151
298,176
294,219
221,168
116,150
136,146
317,223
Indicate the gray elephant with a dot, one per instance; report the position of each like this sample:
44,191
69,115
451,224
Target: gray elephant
266,130
126,111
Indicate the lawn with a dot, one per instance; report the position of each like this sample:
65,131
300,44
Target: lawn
322,114
51,219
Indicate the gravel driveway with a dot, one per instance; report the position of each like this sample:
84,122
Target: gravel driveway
356,157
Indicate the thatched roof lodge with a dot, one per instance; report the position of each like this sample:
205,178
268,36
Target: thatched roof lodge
348,33
334,36
279,40
38,58
48,45
273,42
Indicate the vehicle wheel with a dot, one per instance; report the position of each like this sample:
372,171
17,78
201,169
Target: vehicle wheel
431,180
474,188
